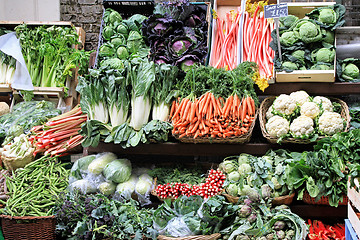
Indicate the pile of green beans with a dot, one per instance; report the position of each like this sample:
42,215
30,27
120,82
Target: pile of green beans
33,189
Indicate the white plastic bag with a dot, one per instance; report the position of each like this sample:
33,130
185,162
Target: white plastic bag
10,45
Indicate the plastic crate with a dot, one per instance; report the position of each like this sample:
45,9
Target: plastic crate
350,234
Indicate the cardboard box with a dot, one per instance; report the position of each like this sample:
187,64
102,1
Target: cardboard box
299,10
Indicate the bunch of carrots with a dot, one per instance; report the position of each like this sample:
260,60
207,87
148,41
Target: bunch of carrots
213,117
321,231
59,134
256,39
225,50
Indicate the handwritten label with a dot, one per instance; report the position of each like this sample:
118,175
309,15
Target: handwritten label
276,10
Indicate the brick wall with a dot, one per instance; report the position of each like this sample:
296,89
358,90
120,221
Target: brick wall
86,14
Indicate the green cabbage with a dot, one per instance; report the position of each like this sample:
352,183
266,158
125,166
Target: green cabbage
81,164
107,188
144,184
122,53
127,186
118,170
83,186
98,165
232,189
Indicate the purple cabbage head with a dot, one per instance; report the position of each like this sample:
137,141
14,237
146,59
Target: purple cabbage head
186,62
179,46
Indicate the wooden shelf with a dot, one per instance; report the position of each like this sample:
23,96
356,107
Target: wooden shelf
319,211
336,88
185,149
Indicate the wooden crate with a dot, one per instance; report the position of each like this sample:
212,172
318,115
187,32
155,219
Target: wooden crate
299,10
72,96
350,234
354,207
52,94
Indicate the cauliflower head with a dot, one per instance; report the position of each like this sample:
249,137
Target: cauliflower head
310,109
331,123
269,113
277,126
302,126
284,104
324,102
300,97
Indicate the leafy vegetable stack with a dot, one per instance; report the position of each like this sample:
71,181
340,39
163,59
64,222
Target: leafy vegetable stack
49,54
177,33
7,64
308,43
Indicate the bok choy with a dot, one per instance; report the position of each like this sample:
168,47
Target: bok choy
163,84
142,77
118,98
93,98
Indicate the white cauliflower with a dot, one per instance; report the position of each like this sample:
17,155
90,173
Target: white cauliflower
300,97
269,113
302,126
284,104
330,123
325,102
277,126
310,109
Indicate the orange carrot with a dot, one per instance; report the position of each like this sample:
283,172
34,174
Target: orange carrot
249,107
192,111
172,108
187,109
242,117
180,107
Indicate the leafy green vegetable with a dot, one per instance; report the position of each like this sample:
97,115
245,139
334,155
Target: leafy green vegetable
178,173
347,70
49,54
329,17
26,115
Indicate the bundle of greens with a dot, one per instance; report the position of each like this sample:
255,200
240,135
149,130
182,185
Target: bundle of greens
308,43
122,40
193,215
246,171
24,116
257,220
98,217
7,64
49,54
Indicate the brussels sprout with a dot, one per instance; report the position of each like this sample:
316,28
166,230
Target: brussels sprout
234,176
118,40
122,53
279,225
122,29
108,32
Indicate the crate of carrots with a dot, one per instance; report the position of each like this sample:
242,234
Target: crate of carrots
224,112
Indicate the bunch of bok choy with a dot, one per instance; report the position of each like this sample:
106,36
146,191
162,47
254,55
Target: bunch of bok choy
142,77
93,97
164,83
7,64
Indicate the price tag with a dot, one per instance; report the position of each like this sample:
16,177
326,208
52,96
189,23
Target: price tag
276,10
